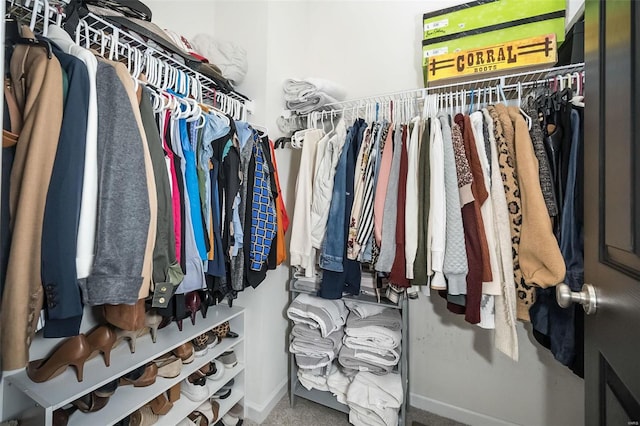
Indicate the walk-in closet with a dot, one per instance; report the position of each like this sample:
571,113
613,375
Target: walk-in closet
310,212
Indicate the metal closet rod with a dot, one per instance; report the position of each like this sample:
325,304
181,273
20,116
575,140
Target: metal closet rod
99,25
507,82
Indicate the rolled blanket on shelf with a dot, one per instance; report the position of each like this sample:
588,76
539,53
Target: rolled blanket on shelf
311,349
317,101
327,315
303,89
362,360
338,384
364,310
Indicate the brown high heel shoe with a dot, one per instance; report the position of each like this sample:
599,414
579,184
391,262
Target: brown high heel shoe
73,351
102,339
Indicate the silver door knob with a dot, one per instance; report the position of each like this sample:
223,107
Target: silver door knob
587,297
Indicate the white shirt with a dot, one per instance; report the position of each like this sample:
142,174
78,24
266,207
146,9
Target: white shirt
411,203
436,234
323,184
89,203
301,250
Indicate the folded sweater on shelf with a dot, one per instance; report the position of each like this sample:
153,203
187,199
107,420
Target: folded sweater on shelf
327,315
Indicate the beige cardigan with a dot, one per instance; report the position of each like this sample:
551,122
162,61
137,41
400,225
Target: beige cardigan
541,262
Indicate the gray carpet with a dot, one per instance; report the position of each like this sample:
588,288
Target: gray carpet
308,413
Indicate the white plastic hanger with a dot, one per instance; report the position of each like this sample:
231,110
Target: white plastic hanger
524,114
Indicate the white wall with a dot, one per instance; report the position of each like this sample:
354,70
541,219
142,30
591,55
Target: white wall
372,47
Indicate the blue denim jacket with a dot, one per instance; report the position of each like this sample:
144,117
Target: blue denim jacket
334,283
332,250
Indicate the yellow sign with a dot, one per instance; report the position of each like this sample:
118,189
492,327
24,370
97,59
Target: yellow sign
526,53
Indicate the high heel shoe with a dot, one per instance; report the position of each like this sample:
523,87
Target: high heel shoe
73,351
131,336
192,303
102,339
152,320
206,300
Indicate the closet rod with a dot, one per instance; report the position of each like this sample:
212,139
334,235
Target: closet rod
507,82
97,25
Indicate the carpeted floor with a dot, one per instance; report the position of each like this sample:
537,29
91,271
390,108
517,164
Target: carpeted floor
308,413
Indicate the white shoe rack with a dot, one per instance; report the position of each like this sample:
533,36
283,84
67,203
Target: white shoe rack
60,391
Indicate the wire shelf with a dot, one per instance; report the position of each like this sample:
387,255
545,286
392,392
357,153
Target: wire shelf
507,83
125,42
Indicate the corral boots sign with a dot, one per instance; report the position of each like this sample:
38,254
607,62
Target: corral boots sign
528,53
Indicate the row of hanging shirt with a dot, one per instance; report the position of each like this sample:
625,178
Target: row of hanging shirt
112,190
465,204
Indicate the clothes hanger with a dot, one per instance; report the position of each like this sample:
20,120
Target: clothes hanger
13,36
524,114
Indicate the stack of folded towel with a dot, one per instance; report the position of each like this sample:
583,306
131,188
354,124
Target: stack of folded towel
311,349
316,337
374,400
310,94
372,342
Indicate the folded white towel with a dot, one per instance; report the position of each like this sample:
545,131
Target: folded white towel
381,357
311,349
328,315
311,381
338,384
360,416
374,337
364,310
383,391
375,400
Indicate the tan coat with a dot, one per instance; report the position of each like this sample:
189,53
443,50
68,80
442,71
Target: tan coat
37,80
541,262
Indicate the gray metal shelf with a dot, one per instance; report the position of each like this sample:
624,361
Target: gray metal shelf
326,398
